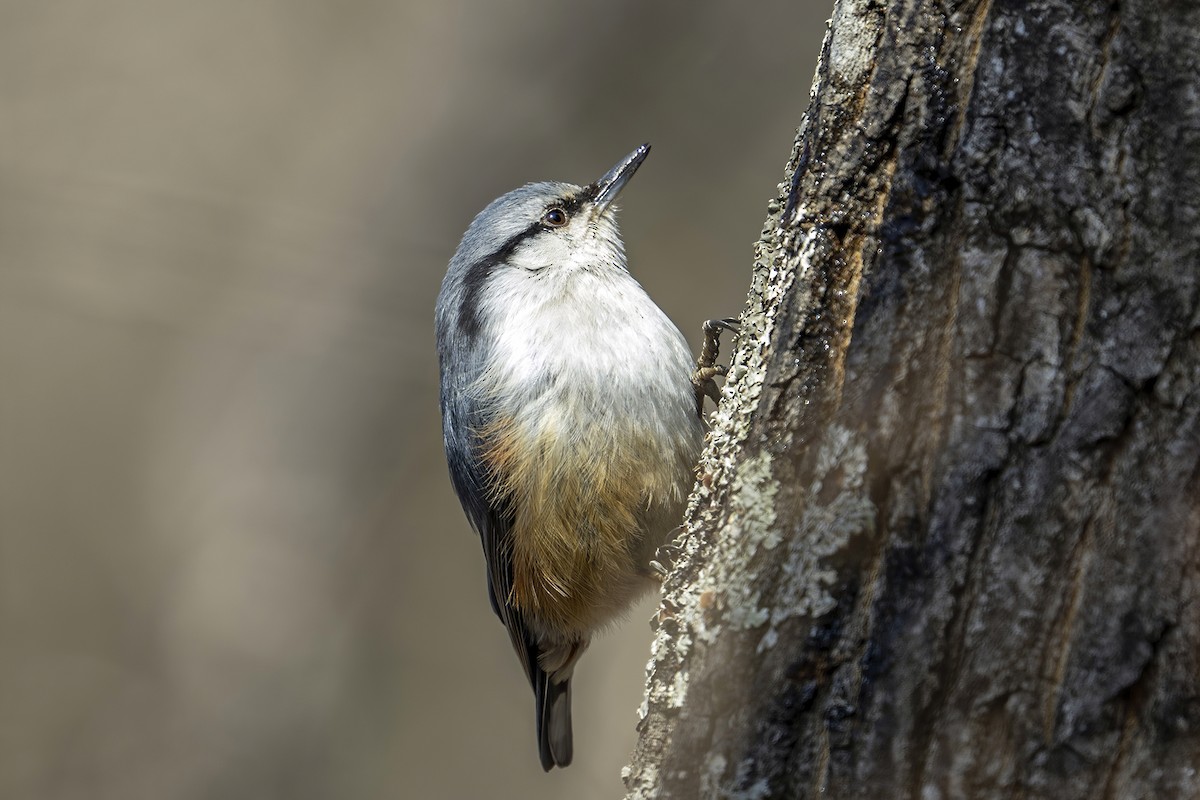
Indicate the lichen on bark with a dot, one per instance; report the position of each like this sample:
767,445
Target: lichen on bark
945,540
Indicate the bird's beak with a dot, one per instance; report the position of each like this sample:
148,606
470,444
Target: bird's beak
608,187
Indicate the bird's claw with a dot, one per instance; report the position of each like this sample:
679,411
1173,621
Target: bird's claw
664,557
707,367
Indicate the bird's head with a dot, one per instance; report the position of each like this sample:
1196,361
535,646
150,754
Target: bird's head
552,225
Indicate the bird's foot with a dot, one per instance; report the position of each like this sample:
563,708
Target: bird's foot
664,558
707,368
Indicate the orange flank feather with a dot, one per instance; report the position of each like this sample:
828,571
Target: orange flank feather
584,496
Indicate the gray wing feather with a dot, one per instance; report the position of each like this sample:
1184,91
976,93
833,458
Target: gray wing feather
494,523
494,526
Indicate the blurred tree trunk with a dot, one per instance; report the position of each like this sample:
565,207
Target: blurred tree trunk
946,539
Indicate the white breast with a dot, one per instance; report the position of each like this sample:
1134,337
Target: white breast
590,338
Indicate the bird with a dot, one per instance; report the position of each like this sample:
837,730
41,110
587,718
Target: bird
572,422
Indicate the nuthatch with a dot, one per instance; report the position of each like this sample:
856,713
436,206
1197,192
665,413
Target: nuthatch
572,424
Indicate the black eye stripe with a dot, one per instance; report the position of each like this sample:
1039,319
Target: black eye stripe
478,273
477,276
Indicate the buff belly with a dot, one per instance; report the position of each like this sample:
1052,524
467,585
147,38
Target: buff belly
591,499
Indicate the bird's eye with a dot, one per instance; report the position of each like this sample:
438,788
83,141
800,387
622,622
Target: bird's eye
555,217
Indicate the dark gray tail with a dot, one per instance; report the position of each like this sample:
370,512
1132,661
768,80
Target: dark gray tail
554,721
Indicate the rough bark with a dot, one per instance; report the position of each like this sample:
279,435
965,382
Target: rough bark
946,537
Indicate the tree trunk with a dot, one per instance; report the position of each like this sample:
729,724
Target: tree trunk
946,537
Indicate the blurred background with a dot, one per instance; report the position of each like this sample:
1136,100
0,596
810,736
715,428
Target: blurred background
231,564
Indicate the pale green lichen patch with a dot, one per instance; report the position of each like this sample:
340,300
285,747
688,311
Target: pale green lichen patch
678,690
749,529
825,528
714,783
712,775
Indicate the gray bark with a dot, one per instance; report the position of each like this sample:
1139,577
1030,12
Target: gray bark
946,537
